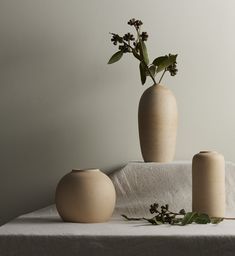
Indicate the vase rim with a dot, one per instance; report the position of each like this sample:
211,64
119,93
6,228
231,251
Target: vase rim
208,152
85,170
157,84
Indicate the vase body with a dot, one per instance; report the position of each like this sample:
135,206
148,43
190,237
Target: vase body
158,118
208,183
85,196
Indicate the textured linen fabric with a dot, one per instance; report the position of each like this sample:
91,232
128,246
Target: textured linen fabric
140,184
137,184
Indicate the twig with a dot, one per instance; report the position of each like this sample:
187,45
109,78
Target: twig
162,76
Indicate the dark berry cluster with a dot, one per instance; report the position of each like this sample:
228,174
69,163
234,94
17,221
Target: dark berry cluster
164,215
172,68
134,22
144,36
116,39
124,48
128,43
123,41
128,37
153,208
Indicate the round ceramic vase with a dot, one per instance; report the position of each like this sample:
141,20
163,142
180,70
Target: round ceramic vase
158,118
208,183
85,196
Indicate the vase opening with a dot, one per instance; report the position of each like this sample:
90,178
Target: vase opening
85,170
207,152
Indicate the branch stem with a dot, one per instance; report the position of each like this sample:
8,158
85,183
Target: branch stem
146,66
128,218
162,76
132,49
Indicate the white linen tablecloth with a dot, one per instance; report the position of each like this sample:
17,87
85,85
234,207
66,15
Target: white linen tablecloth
42,233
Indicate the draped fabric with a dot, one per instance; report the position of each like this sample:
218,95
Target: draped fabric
42,233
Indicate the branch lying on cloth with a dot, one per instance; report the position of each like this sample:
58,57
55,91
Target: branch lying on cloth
164,216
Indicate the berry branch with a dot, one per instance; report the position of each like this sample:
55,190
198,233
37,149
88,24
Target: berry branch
164,216
129,44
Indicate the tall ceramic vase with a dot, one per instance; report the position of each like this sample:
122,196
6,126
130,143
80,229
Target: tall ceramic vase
158,118
208,183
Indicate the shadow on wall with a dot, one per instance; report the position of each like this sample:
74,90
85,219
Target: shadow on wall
32,163
41,137
47,124
45,128
26,173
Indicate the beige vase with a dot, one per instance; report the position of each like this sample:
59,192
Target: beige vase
158,118
208,183
85,196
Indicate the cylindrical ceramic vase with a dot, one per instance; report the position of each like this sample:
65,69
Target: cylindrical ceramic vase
158,118
208,183
85,196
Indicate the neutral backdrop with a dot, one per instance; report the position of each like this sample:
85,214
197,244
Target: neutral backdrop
63,107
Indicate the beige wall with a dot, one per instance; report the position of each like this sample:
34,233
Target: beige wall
61,106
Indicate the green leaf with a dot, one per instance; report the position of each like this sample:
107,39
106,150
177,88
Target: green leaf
202,218
176,221
158,61
216,220
152,70
116,57
189,218
142,73
143,52
136,55
166,63
154,221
